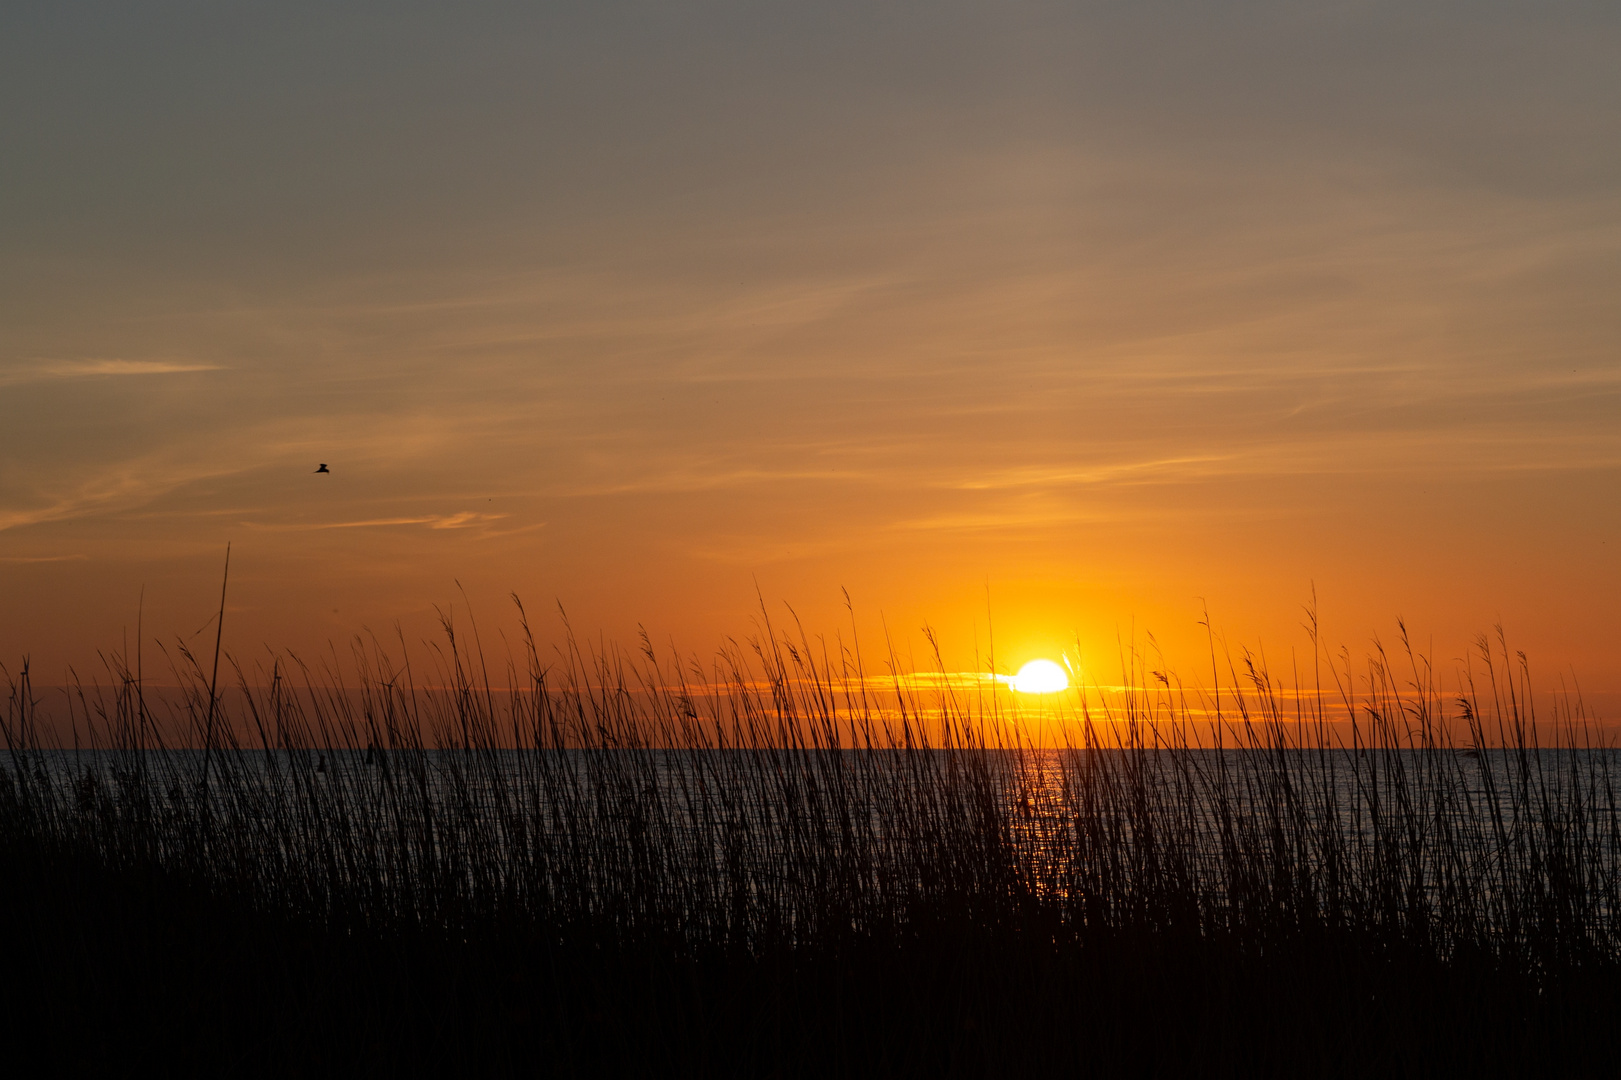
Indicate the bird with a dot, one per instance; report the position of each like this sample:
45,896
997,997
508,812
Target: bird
324,469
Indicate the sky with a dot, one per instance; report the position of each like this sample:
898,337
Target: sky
1046,325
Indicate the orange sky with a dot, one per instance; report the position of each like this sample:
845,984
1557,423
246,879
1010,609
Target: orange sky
1085,315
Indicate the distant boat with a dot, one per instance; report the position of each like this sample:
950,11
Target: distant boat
324,469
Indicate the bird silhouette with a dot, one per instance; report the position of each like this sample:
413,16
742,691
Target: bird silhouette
324,469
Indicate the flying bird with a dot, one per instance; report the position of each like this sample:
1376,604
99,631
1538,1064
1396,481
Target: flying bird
324,469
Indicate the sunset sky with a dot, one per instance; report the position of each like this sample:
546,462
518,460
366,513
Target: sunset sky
1076,317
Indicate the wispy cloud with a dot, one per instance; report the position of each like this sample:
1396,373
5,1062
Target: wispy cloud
130,484
696,480
996,521
465,520
43,370
1178,468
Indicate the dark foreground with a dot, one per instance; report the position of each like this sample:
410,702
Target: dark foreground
129,971
611,874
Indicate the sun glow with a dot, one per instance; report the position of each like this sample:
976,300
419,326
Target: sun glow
1040,677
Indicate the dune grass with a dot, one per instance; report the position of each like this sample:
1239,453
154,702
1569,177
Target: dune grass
781,865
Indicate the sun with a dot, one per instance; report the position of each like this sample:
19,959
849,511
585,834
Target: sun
1040,677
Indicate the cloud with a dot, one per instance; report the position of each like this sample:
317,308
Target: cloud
464,520
44,370
1174,469
130,484
995,521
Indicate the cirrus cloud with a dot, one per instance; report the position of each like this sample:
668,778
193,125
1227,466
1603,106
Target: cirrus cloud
43,370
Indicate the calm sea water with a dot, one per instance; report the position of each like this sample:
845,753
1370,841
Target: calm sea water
1357,788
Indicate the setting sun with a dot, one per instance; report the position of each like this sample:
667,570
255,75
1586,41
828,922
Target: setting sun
1040,677
990,522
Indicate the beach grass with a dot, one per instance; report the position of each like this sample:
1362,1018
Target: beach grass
781,864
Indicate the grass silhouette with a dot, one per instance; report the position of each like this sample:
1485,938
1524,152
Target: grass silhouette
782,866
